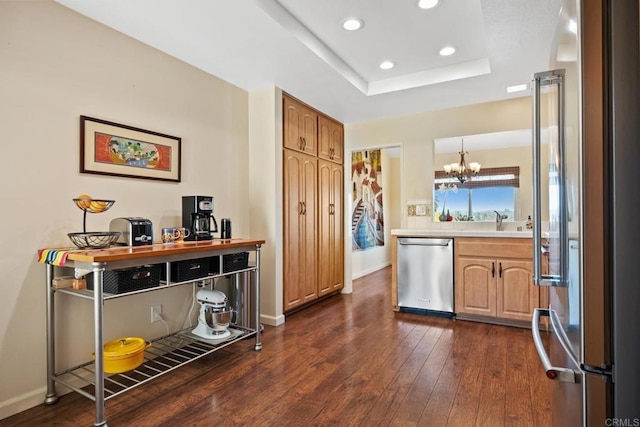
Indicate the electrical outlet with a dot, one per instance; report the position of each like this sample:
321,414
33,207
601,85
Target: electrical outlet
156,313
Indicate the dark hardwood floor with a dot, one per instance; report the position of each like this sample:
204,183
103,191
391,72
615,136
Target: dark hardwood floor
349,360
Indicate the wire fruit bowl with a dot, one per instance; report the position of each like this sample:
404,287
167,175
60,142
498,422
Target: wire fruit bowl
97,239
94,205
94,240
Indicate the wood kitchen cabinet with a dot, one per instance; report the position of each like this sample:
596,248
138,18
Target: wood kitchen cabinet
300,228
516,294
331,234
313,212
494,279
330,139
300,131
475,286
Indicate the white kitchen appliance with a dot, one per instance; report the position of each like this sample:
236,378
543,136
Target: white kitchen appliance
586,134
215,315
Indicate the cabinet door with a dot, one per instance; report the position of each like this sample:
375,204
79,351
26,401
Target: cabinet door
330,139
299,127
299,217
337,140
337,229
517,296
330,232
475,286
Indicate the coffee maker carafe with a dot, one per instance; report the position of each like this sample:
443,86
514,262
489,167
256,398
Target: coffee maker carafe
197,216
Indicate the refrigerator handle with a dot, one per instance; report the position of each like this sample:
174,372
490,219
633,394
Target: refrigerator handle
552,372
545,79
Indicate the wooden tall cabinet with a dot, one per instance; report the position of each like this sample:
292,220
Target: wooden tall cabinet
331,232
313,212
300,130
300,228
330,139
493,279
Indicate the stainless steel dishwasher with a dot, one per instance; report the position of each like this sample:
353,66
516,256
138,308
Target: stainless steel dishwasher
425,275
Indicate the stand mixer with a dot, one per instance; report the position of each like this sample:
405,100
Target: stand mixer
215,315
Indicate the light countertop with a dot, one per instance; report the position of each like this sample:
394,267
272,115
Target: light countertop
460,233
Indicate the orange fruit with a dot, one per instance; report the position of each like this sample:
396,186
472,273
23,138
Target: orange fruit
84,201
97,206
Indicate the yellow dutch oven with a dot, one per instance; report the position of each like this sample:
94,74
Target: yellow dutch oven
124,354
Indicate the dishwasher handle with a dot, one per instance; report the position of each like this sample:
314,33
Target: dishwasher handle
424,242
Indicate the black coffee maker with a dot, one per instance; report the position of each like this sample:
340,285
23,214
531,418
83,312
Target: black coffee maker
197,216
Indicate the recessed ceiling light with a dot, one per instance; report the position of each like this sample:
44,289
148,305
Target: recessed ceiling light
447,50
352,24
517,88
427,4
387,65
573,26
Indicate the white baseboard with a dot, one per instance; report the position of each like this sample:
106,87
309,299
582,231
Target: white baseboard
271,320
370,270
22,403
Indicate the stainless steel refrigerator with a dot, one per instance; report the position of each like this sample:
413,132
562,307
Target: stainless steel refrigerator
586,132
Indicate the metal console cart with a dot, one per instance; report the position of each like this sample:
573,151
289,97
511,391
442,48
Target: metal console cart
168,352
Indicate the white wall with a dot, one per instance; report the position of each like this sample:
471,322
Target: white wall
55,66
370,260
265,172
416,133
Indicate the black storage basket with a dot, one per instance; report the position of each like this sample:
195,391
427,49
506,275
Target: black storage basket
182,271
230,263
129,279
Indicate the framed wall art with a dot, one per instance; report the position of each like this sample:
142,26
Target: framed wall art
368,219
108,148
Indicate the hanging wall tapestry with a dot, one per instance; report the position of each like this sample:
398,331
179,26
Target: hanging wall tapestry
367,222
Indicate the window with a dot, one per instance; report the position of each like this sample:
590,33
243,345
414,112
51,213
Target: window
494,189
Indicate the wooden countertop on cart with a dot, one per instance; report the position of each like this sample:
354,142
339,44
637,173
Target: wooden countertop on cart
119,253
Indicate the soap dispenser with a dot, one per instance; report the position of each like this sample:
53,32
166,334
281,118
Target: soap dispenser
529,223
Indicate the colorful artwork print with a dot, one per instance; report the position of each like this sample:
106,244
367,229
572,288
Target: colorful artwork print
367,220
112,149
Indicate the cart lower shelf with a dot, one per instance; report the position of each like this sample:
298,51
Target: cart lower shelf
165,354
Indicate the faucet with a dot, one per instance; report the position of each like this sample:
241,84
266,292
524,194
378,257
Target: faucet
499,218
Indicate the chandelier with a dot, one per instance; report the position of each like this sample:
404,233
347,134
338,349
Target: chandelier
461,170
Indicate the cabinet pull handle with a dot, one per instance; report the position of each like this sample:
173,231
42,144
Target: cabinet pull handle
304,143
493,269
301,143
304,208
299,208
331,153
331,211
500,270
